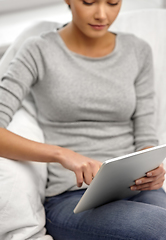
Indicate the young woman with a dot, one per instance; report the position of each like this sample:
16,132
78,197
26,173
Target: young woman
93,91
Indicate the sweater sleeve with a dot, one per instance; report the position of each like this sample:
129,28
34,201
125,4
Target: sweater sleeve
16,83
144,115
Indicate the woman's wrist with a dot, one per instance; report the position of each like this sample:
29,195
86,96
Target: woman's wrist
53,153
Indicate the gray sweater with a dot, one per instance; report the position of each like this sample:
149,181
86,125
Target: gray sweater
99,107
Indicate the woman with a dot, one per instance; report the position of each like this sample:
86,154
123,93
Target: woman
93,91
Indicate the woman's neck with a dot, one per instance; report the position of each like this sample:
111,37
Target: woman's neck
77,42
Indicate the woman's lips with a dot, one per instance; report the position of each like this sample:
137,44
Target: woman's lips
97,27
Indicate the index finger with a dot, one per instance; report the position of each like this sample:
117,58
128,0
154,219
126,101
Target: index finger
157,171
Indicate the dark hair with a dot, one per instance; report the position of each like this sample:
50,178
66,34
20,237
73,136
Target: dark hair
69,6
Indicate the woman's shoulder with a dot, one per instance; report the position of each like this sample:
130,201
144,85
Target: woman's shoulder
43,38
131,42
35,49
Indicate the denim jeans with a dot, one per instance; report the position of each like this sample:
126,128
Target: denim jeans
142,217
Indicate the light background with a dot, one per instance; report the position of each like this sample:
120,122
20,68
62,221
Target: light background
16,15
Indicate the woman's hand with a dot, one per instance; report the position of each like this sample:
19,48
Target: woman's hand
84,168
153,180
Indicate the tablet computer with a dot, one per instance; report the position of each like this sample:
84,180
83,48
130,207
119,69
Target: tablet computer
114,178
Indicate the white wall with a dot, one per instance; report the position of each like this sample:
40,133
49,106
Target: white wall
128,5
12,24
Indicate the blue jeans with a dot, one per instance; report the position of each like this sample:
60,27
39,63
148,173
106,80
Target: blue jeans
142,217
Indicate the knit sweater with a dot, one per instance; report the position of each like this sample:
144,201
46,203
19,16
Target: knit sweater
99,107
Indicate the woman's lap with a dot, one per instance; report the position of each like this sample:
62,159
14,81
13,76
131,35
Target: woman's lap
141,217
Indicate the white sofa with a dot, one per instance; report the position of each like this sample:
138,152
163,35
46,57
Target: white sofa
22,185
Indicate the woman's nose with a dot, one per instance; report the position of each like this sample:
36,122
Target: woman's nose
100,12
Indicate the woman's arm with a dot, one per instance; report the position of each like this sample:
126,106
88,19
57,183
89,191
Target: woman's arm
144,115
22,74
18,148
144,119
